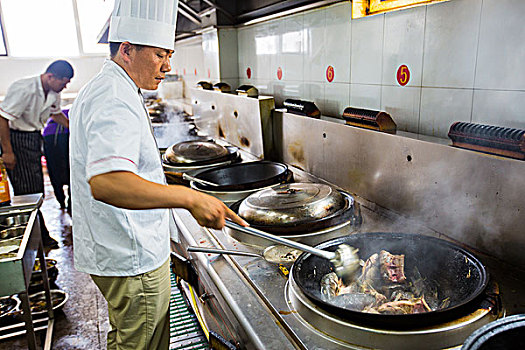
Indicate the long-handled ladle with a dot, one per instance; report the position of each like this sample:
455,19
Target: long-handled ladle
344,259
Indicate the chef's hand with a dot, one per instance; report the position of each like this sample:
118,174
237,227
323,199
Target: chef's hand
9,160
211,212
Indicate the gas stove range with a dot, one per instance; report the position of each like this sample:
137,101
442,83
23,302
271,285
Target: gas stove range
257,304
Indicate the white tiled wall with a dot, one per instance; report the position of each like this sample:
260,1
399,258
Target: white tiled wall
465,59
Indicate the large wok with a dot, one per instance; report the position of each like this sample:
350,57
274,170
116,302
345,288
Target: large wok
244,176
459,275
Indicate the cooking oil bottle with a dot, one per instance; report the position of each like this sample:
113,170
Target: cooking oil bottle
5,196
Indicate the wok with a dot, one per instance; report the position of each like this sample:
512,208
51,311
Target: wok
244,176
459,275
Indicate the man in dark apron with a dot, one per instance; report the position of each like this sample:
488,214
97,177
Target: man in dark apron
28,104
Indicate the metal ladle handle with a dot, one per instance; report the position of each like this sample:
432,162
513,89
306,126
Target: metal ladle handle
220,251
196,179
296,245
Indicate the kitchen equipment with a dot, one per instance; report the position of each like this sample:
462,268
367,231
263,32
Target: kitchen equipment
14,220
196,156
369,119
222,87
186,176
505,333
304,108
8,305
247,90
508,142
344,258
245,176
296,207
205,85
12,232
458,274
38,304
198,152
276,254
310,213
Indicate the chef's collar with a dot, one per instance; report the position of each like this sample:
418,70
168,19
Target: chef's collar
122,72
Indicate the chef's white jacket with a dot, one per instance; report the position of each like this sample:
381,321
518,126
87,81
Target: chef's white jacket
110,131
26,107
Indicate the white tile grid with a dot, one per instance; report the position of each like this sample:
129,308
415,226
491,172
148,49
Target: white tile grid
228,53
365,96
501,108
292,48
442,107
501,50
367,50
314,46
246,51
264,42
451,39
315,92
275,29
336,99
403,45
402,103
338,41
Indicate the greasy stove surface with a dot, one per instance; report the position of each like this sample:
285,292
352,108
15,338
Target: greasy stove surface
269,282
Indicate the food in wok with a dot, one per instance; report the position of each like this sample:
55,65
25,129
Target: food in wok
383,288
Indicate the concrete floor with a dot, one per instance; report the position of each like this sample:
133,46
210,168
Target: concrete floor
83,321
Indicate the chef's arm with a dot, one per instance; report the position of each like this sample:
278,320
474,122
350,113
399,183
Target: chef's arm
127,190
61,119
5,140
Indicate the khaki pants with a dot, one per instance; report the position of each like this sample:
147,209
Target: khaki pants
138,308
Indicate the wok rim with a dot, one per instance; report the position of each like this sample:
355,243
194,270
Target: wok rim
403,320
261,183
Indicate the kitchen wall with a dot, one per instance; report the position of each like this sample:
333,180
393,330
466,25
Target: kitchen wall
12,69
465,59
211,56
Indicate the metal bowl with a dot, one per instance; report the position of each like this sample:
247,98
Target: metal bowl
15,220
38,302
12,232
292,204
9,305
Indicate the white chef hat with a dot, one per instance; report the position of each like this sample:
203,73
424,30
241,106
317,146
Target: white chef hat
144,22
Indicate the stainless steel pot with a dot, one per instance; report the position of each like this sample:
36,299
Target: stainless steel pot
292,204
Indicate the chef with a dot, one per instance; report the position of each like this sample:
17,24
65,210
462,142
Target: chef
120,197
28,104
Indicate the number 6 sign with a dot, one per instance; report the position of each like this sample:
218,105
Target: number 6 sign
403,75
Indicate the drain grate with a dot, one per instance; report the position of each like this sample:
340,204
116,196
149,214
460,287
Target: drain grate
185,330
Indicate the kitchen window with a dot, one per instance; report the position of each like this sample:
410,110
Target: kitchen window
92,16
58,28
25,21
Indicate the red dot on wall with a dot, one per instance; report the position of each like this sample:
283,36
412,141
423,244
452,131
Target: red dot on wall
279,73
403,75
330,74
209,73
195,71
184,71
248,72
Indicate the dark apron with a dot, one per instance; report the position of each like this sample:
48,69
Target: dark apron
27,176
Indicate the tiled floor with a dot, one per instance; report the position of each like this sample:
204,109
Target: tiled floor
82,323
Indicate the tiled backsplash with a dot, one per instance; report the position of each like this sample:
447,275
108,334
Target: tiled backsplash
465,59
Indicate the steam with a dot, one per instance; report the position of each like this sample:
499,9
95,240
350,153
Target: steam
176,128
